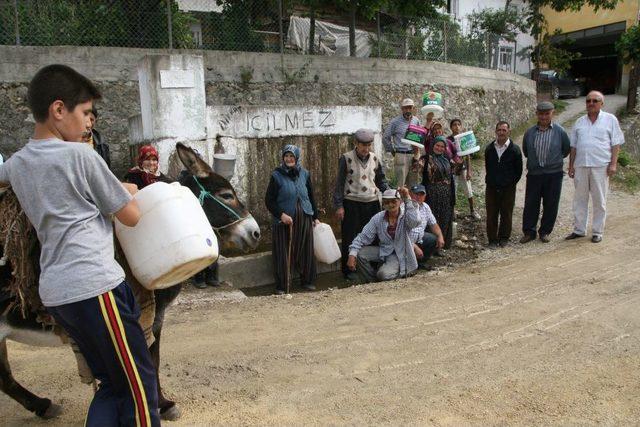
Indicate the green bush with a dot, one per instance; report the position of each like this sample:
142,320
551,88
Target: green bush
624,159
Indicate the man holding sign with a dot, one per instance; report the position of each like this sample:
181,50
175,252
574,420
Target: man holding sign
402,152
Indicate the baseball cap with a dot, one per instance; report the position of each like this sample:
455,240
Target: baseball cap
418,188
407,102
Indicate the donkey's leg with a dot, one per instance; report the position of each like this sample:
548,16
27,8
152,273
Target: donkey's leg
168,408
41,407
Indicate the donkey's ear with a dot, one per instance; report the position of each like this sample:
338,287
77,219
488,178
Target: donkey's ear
192,162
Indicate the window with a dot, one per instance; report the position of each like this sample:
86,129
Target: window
196,33
505,62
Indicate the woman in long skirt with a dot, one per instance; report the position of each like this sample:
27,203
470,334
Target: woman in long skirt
290,200
436,177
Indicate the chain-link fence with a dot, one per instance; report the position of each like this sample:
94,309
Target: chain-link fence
284,26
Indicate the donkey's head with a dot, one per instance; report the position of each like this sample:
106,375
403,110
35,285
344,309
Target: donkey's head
226,213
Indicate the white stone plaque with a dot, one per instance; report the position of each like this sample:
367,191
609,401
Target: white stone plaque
243,121
177,79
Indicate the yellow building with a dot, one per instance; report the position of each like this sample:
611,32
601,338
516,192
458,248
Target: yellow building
594,35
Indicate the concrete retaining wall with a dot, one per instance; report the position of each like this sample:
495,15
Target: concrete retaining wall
479,97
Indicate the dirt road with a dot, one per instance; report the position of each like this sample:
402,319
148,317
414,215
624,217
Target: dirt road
530,335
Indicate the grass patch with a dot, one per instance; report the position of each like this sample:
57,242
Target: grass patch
560,105
628,178
519,130
624,159
621,112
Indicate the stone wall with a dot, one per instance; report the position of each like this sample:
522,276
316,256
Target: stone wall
479,97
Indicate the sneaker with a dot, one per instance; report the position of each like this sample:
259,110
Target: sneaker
503,243
596,239
280,292
492,245
527,238
475,215
309,287
544,238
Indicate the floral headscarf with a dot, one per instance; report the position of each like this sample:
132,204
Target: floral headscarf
145,152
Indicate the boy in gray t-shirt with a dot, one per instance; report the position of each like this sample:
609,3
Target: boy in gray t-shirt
69,195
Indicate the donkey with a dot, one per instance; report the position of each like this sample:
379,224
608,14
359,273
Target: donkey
230,220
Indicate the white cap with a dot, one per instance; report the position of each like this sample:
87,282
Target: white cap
407,102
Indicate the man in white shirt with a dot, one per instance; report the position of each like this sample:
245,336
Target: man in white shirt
595,143
392,140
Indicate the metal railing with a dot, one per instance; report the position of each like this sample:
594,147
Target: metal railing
285,27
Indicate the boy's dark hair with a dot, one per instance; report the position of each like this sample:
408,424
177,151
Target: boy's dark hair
58,82
94,111
502,122
455,121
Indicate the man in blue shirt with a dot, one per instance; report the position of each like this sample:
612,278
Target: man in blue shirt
392,140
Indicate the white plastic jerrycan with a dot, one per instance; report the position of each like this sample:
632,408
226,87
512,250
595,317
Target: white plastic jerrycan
325,246
173,239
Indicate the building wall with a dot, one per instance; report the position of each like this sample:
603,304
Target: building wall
567,21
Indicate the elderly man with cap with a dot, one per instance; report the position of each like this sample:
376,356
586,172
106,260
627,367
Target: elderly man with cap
596,138
392,140
360,181
545,145
394,256
427,237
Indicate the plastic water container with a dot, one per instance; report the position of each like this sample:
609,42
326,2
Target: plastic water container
415,135
466,143
173,239
432,103
325,246
224,165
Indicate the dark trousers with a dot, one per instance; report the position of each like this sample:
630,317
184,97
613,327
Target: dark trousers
356,216
107,331
428,246
543,188
500,202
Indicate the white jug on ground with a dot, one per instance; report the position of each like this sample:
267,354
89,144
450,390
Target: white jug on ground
173,239
325,246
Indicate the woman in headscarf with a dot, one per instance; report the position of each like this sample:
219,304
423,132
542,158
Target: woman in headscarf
436,177
147,172
290,200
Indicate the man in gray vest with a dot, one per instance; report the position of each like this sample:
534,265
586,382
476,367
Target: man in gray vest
545,145
392,140
359,184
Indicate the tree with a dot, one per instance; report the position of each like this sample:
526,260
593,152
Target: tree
126,23
233,29
554,55
506,23
629,48
412,11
